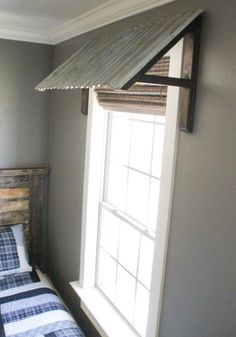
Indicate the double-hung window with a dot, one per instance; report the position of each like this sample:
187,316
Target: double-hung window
128,212
129,170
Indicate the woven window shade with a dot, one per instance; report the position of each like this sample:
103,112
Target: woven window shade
141,97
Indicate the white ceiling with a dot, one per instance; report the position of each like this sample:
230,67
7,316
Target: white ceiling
53,21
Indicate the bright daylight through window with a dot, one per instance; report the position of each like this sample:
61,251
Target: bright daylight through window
128,212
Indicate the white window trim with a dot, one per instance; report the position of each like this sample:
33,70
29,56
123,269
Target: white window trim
106,319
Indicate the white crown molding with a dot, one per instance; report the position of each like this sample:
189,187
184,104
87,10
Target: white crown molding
14,27
24,28
28,35
100,16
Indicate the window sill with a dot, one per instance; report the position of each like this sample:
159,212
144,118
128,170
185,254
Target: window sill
101,313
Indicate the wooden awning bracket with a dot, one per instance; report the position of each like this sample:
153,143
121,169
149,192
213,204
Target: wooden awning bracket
188,80
84,101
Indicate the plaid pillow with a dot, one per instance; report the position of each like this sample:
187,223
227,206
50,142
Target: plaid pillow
8,250
18,280
13,256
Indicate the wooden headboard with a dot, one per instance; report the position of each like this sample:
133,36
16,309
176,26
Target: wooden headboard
23,199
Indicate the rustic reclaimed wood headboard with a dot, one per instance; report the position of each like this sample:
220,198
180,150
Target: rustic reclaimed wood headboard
23,199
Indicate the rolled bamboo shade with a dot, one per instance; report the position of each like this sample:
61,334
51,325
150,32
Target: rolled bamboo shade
141,97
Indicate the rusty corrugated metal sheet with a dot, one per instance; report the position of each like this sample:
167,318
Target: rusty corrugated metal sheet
113,61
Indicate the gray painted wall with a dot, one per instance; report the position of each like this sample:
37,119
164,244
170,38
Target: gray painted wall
23,112
199,294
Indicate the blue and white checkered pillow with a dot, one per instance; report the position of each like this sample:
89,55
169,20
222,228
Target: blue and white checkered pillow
13,255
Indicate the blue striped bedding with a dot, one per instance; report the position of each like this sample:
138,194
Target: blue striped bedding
30,308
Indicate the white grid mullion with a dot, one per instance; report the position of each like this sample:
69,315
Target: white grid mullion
128,166
121,265
117,256
145,121
136,278
142,172
150,171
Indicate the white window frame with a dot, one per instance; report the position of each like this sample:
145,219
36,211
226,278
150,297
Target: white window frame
104,317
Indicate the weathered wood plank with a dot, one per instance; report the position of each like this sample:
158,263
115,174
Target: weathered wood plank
8,206
13,193
15,181
18,172
11,218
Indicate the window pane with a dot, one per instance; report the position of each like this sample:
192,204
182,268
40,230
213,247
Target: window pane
138,187
117,181
125,293
141,146
142,117
141,309
129,247
107,274
145,261
109,232
119,150
157,150
153,204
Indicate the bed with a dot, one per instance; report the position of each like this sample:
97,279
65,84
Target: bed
29,305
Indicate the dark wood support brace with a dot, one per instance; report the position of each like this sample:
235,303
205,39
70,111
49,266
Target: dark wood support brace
188,80
84,101
178,82
189,70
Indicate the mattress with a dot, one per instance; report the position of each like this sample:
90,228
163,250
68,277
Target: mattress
30,307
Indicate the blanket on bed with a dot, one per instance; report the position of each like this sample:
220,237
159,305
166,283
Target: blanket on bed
29,308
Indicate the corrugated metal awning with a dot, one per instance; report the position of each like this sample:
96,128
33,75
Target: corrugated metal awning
112,61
